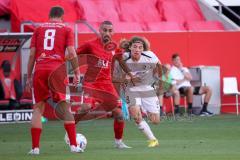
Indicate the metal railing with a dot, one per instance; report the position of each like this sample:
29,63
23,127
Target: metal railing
221,6
84,22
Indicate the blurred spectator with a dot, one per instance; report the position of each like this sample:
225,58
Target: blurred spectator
169,88
182,76
10,87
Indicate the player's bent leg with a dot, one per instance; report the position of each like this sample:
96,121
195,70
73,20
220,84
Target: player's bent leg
155,119
143,126
135,113
69,125
89,104
38,110
63,109
118,128
36,127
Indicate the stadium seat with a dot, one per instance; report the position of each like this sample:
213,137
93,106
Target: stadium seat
82,28
204,26
139,11
180,11
3,103
230,87
128,27
26,103
165,26
4,7
100,10
25,10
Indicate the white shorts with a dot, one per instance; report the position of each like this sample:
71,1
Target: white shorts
147,100
150,104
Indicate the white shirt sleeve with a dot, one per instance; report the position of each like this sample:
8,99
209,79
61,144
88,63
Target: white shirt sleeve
185,69
155,59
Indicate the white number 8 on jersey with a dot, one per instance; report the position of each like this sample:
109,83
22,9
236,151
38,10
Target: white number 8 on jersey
49,36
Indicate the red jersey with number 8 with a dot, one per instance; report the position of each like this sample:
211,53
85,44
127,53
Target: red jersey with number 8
50,41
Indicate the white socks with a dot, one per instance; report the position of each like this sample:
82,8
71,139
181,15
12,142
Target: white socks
118,141
144,127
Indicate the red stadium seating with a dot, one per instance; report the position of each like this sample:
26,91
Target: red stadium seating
139,11
180,10
37,11
4,7
128,27
100,10
118,27
165,26
128,16
205,26
4,102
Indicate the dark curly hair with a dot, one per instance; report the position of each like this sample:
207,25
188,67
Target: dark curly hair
143,40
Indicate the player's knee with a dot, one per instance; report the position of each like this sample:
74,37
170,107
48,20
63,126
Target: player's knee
117,114
137,119
154,119
156,122
39,108
119,118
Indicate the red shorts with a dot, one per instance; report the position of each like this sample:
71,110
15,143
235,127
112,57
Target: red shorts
42,91
103,93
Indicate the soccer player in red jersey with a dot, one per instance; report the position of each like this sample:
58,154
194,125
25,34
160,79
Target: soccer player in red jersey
48,46
98,81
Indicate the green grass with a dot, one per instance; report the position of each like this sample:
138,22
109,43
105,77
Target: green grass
213,138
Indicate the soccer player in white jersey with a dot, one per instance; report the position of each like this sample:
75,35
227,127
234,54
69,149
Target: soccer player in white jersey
141,96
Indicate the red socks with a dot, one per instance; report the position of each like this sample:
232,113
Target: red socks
70,128
36,133
118,129
71,131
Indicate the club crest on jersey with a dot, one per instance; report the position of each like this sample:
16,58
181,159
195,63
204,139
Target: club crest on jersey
102,63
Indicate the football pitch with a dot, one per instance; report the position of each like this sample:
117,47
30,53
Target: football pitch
202,138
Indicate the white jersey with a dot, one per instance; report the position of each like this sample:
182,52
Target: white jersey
177,74
143,68
143,94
